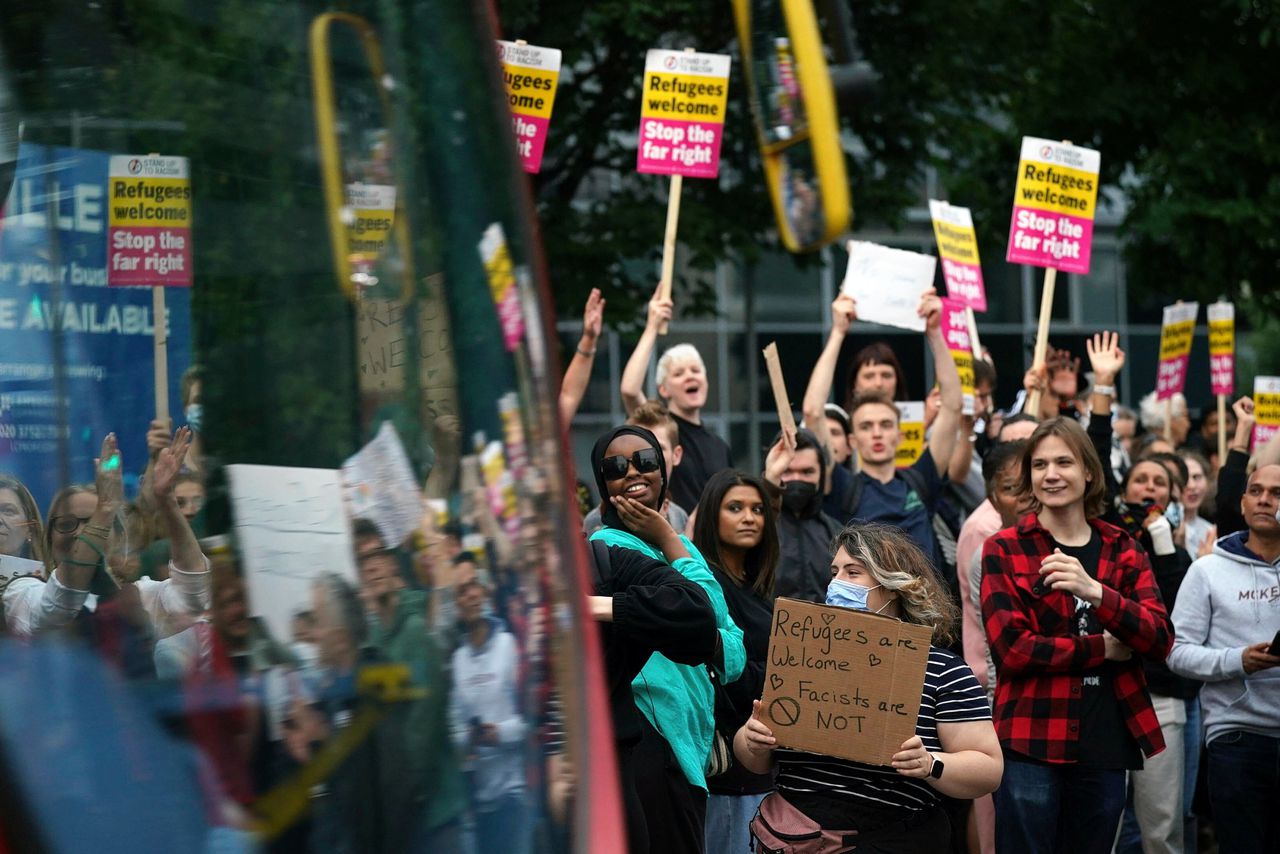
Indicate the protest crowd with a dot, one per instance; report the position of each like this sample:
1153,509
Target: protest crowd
1099,675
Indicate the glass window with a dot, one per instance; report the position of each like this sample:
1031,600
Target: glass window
335,610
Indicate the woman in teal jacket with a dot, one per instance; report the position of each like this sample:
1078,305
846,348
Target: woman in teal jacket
676,701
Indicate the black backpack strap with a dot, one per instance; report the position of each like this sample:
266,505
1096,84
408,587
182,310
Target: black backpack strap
601,565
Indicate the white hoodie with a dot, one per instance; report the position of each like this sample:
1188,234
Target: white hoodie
1229,600
485,691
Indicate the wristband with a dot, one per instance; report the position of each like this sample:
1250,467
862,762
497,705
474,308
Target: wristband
1108,390
582,352
91,544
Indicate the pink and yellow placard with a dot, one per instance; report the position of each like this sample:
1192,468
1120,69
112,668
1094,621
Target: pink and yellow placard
958,247
1176,331
530,75
1053,206
148,221
1266,409
1222,348
955,331
682,113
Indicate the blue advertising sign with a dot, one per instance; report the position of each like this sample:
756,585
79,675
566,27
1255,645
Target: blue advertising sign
76,357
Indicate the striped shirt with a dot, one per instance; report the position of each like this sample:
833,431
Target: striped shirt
951,694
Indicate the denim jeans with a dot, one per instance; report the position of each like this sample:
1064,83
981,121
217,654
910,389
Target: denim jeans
728,819
1244,788
1192,740
504,825
1057,809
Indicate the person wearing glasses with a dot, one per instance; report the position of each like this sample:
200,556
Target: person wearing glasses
676,701
83,530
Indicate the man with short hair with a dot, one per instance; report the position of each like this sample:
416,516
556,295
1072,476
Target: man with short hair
797,468
682,384
1226,615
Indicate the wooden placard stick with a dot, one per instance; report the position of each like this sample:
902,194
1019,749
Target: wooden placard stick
160,336
973,331
1042,338
669,240
1222,429
780,399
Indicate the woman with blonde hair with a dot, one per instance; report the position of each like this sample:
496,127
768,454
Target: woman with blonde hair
954,753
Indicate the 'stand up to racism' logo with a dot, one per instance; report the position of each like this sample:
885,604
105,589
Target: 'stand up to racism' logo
135,166
670,63
1047,152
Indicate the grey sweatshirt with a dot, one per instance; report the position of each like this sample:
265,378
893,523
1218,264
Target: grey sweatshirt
1229,600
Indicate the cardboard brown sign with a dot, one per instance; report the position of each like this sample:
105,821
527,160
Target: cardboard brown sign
842,682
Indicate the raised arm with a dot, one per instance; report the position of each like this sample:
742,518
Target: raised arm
1233,474
843,312
76,571
633,375
183,545
574,384
942,443
1105,360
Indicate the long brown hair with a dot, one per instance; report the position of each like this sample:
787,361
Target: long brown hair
1081,447
760,561
37,537
898,565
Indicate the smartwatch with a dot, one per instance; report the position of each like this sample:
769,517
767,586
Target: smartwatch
935,770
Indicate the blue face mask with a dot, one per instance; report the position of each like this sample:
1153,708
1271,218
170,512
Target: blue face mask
845,594
194,414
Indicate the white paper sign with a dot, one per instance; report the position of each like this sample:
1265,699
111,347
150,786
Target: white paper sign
291,529
15,567
887,283
380,486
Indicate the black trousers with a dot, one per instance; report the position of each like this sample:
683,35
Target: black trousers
674,810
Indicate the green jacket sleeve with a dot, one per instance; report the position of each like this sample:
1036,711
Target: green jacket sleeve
733,652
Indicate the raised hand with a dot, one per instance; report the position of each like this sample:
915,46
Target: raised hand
593,318
169,464
660,309
1105,357
930,308
779,458
158,436
109,476
843,312
1064,374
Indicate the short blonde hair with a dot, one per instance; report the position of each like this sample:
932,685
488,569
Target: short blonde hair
678,353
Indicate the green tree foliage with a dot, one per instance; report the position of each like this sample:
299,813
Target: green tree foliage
1176,95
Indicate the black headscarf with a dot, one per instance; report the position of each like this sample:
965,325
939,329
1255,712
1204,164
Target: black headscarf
609,513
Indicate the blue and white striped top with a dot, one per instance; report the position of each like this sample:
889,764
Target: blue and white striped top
951,695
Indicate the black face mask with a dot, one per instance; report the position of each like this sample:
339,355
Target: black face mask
801,498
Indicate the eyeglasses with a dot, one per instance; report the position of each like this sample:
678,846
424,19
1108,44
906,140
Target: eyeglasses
67,524
615,468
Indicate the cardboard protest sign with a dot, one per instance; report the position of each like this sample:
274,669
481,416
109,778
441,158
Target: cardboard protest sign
1177,329
911,432
1053,205
1266,409
530,75
496,256
955,331
887,283
786,418
148,221
958,248
682,113
842,682
380,486
291,528
1222,348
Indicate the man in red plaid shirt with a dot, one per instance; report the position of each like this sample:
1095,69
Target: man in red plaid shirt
1067,600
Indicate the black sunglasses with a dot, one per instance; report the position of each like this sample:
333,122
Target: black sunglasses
615,468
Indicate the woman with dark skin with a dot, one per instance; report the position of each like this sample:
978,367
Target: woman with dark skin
676,701
737,533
